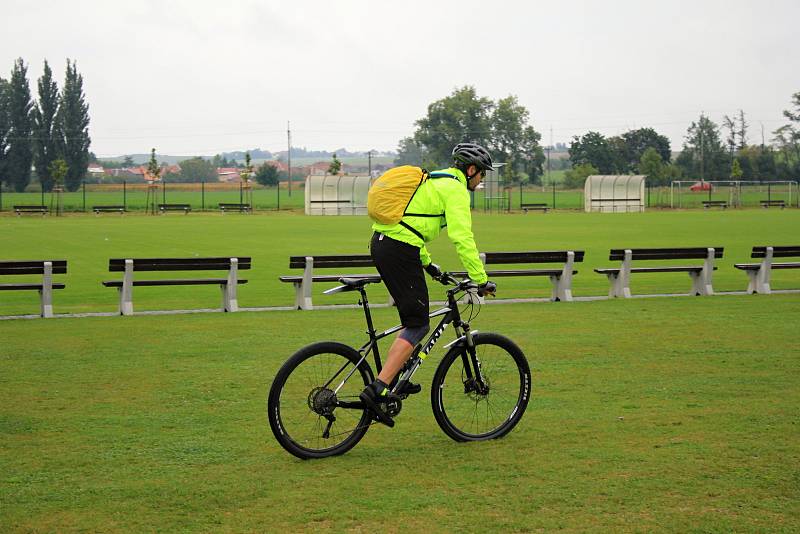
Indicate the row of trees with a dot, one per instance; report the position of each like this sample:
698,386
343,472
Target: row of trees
502,127
51,134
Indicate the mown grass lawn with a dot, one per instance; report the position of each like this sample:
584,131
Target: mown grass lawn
87,242
664,414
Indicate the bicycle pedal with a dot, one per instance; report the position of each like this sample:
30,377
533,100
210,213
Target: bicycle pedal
410,388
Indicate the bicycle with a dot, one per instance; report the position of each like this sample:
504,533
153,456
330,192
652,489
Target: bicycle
480,389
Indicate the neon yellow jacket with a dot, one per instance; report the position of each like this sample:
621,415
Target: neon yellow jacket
448,198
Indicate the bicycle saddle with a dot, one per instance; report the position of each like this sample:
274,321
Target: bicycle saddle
354,284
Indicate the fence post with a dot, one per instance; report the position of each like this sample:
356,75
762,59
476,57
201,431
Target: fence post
163,191
554,195
42,195
83,183
279,194
203,195
1,196
769,191
125,195
241,194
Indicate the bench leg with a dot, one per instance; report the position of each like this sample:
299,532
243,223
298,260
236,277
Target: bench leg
46,293
126,290
698,284
301,300
763,280
561,289
618,286
752,282
230,302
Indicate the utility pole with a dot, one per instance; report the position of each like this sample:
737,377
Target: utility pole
369,164
289,138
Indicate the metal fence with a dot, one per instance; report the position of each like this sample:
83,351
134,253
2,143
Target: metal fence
207,196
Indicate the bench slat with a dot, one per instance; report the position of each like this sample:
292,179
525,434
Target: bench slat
518,272
539,256
687,269
185,282
31,267
777,252
665,253
328,277
177,264
359,260
13,287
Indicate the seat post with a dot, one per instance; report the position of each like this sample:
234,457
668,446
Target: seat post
365,304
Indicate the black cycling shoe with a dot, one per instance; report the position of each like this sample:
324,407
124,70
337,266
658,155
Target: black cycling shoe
410,389
372,400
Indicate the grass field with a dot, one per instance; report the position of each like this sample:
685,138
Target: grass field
663,414
87,242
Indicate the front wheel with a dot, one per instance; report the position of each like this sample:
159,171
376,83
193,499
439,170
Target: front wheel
468,410
313,406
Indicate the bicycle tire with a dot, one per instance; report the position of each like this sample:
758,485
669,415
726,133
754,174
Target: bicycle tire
294,395
459,413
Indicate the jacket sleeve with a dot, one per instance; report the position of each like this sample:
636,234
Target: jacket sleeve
424,256
455,199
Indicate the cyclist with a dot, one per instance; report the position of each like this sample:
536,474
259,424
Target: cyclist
400,255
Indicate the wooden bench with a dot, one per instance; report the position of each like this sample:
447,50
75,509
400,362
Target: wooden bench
99,209
19,210
560,277
302,283
759,273
128,266
229,206
47,268
715,204
186,208
701,275
769,203
525,206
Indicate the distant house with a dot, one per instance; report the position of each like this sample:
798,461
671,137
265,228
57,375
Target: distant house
280,165
96,171
228,174
321,167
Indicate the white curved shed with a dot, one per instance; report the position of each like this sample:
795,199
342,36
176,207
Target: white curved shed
615,193
332,194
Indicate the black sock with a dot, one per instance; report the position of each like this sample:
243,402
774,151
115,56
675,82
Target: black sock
379,387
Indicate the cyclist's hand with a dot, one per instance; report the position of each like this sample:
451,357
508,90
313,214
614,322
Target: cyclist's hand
487,288
433,270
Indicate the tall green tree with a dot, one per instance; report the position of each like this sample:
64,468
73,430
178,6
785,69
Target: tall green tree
514,141
5,128
594,149
267,174
652,166
73,124
703,155
459,117
19,158
408,152
198,169
335,165
45,128
636,142
576,176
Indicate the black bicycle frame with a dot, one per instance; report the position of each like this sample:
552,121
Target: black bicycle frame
451,314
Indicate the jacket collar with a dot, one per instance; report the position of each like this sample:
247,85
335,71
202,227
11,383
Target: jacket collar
455,172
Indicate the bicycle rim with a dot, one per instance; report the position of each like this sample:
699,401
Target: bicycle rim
306,389
465,414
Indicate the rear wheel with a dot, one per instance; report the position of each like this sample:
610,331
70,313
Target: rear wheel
305,409
467,410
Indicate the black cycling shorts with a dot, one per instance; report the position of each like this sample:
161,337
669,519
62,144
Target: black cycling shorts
401,270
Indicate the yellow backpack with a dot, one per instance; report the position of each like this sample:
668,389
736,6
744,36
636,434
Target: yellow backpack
390,195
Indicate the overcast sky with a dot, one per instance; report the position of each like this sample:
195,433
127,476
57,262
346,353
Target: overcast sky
201,77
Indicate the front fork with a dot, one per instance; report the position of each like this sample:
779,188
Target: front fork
474,380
